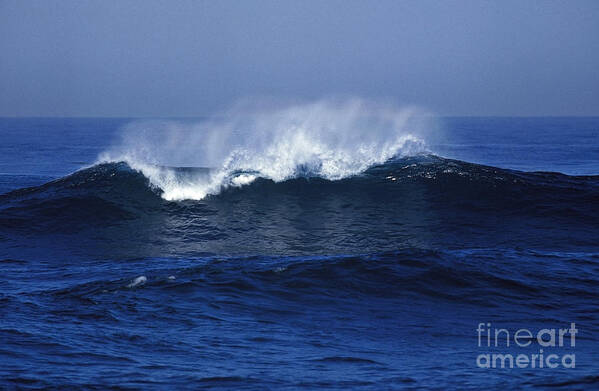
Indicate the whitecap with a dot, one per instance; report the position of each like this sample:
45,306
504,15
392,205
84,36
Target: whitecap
138,281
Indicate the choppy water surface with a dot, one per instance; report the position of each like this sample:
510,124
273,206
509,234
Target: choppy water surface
328,271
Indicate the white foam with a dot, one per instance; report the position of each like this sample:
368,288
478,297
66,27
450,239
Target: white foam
332,139
137,282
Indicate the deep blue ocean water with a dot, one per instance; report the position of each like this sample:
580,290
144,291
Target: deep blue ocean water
375,281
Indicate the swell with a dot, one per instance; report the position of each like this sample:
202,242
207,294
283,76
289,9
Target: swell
423,201
118,185
406,274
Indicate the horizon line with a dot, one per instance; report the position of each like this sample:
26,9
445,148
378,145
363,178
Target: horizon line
223,116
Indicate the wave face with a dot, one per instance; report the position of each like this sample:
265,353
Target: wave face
422,201
331,139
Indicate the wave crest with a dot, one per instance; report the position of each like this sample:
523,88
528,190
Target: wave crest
332,139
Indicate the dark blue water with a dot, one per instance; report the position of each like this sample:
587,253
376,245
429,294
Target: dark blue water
375,281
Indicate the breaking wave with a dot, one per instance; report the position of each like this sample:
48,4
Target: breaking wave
331,139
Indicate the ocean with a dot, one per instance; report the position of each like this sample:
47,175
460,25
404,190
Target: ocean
367,262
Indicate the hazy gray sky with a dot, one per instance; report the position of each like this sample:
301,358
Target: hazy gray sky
187,58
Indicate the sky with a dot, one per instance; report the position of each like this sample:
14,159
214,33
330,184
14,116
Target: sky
192,58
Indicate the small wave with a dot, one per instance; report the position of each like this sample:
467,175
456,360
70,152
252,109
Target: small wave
405,275
138,281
